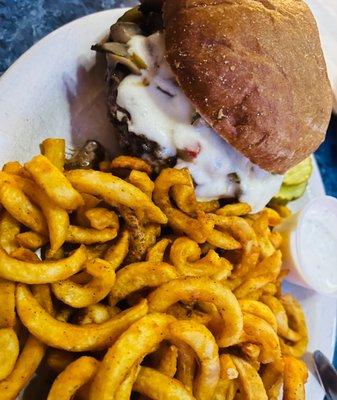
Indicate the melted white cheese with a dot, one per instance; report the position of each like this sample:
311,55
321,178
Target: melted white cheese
159,110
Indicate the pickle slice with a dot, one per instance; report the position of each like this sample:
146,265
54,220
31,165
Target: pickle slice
288,193
299,174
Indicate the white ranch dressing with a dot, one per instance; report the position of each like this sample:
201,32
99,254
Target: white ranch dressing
317,246
159,110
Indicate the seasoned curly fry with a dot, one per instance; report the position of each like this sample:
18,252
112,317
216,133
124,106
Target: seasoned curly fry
250,380
130,162
9,345
54,150
9,229
272,378
200,339
79,296
54,183
185,256
7,304
130,347
114,190
295,376
157,385
41,272
31,240
227,367
168,361
57,218
297,324
76,374
22,209
257,330
68,336
25,367
101,218
142,181
202,289
138,276
125,388
177,219
156,252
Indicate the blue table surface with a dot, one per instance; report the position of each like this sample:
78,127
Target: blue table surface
23,22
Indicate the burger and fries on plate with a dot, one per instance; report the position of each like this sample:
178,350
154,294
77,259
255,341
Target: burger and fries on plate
157,274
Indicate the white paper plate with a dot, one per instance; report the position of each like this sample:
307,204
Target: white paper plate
56,89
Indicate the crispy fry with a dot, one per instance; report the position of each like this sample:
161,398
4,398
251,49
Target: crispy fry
251,350
184,197
131,347
54,183
159,386
281,317
178,220
9,346
9,228
234,210
272,378
259,309
227,367
31,240
185,256
202,289
295,376
7,304
142,181
258,331
298,325
101,218
76,374
24,369
54,150
79,296
57,218
130,162
78,234
250,380
225,390
42,294
168,361
23,254
125,388
156,253
12,167
200,339
138,276
117,253
266,271
96,313
41,272
114,190
70,337
21,208
186,365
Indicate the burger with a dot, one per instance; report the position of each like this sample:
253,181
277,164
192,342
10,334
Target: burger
236,91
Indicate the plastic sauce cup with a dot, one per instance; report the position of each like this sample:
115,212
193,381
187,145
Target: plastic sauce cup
309,246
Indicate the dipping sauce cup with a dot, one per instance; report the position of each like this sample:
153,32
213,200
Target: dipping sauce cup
310,246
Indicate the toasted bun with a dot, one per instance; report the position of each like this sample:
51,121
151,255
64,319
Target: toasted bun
254,69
